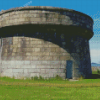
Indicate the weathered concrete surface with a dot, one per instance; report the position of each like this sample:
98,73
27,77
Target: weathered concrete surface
50,60
48,16
38,41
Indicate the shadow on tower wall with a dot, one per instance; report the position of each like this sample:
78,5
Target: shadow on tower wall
70,40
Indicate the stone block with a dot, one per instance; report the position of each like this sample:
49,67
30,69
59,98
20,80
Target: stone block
15,20
27,42
41,42
54,53
25,70
33,11
63,62
7,74
5,15
27,62
17,66
53,49
3,66
27,49
19,49
12,62
28,54
65,57
37,49
26,75
35,62
10,66
5,62
63,50
14,46
7,70
43,19
47,66
35,19
35,57
54,45
48,58
54,70
35,39
21,19
33,49
26,66
55,62
58,50
20,76
43,71
65,54
34,42
42,66
18,57
10,21
34,74
14,49
45,49
63,66
13,54
5,54
45,62
17,70
46,45
45,53
55,58
48,70
28,58
15,42
27,39
55,66
61,70
34,70
55,19
33,66
0,24
19,45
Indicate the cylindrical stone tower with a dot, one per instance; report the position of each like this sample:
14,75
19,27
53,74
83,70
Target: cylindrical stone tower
45,41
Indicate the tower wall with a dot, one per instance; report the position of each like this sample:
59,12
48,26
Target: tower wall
37,41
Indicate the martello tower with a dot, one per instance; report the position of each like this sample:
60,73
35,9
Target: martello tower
45,41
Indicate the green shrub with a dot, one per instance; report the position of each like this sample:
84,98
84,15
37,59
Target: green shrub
81,77
58,77
31,78
98,71
35,78
41,78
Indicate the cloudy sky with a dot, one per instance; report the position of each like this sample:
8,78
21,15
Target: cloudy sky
89,7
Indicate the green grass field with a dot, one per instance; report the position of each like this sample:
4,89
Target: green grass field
16,89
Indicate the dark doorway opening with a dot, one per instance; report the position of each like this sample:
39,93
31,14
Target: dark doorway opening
69,69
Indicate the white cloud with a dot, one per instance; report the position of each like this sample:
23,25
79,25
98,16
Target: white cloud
96,19
95,55
96,23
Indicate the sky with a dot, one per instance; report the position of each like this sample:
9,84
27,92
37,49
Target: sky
89,7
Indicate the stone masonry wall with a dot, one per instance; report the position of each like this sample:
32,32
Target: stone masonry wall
63,35
29,57
23,56
31,15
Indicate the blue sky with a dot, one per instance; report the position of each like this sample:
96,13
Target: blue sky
89,7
